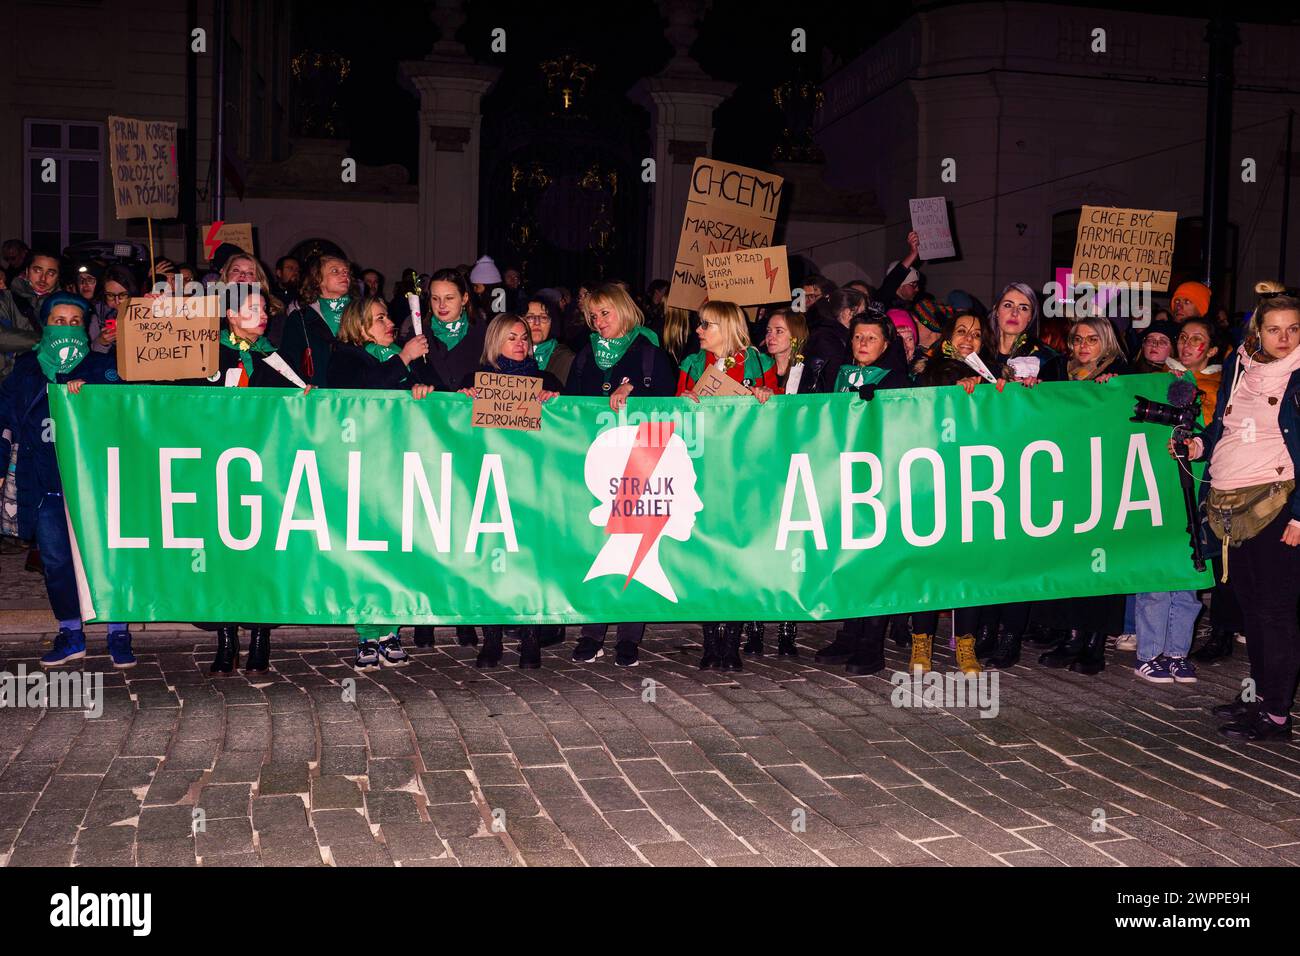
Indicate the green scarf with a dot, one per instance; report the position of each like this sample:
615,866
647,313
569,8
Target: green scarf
853,377
332,311
450,333
756,365
608,352
544,351
382,352
244,349
61,349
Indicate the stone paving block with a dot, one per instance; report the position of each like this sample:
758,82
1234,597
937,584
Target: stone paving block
678,853
272,812
392,806
360,854
481,851
283,779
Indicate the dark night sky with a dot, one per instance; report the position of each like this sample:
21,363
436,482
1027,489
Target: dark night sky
746,42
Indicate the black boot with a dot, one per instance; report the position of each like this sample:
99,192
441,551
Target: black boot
530,648
489,655
548,635
754,630
785,634
467,637
1093,658
227,649
986,640
730,641
1040,635
902,635
423,635
1236,710
1065,653
712,655
259,650
841,649
869,651
1007,652
1216,648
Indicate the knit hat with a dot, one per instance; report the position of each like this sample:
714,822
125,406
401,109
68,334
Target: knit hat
1166,328
485,272
902,320
930,312
912,274
62,298
962,301
1195,292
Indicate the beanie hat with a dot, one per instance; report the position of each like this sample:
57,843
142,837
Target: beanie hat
962,301
1166,328
930,312
1195,292
485,272
902,320
62,298
912,274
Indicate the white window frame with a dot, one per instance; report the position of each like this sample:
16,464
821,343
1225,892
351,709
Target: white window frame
62,154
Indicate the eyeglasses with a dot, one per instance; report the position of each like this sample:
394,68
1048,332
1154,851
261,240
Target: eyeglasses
1085,340
535,319
116,296
706,324
1192,339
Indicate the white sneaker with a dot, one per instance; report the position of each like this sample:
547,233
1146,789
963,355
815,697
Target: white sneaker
1126,642
1241,638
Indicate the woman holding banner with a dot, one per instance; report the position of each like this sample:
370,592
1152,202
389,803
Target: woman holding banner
723,335
310,330
1017,354
247,360
622,359
552,355
364,357
1253,505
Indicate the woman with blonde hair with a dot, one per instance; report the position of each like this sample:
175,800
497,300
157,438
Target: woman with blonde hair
677,333
622,359
1095,354
724,342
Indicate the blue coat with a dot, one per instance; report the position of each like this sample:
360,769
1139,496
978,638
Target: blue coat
1288,419
24,414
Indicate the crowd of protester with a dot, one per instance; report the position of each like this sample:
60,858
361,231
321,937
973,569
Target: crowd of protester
327,323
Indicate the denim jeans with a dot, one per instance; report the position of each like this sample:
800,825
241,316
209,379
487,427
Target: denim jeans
56,554
1166,621
1130,614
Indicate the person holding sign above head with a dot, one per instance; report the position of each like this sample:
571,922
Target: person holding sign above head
725,349
310,330
63,357
1017,355
622,359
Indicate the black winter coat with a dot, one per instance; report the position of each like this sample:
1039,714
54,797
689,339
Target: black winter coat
647,367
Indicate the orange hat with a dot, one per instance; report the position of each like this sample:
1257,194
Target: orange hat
1195,292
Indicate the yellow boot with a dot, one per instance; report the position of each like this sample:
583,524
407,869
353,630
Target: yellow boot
966,658
921,647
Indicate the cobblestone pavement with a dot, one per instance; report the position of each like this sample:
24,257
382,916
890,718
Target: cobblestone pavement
786,762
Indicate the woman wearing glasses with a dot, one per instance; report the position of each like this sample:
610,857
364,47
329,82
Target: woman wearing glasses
117,289
551,354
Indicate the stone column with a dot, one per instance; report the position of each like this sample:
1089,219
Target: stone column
681,101
451,87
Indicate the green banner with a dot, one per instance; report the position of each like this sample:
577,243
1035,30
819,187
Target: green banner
340,507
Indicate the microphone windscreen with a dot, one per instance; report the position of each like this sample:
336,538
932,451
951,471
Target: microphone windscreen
1181,392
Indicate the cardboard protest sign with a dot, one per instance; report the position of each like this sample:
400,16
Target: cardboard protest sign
930,222
236,233
507,401
748,276
728,207
713,381
1124,246
142,155
167,338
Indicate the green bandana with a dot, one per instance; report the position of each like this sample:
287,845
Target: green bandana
544,352
450,333
332,311
61,349
245,349
756,365
853,377
608,352
382,352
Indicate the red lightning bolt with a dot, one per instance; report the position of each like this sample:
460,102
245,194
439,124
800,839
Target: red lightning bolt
651,441
771,273
210,242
